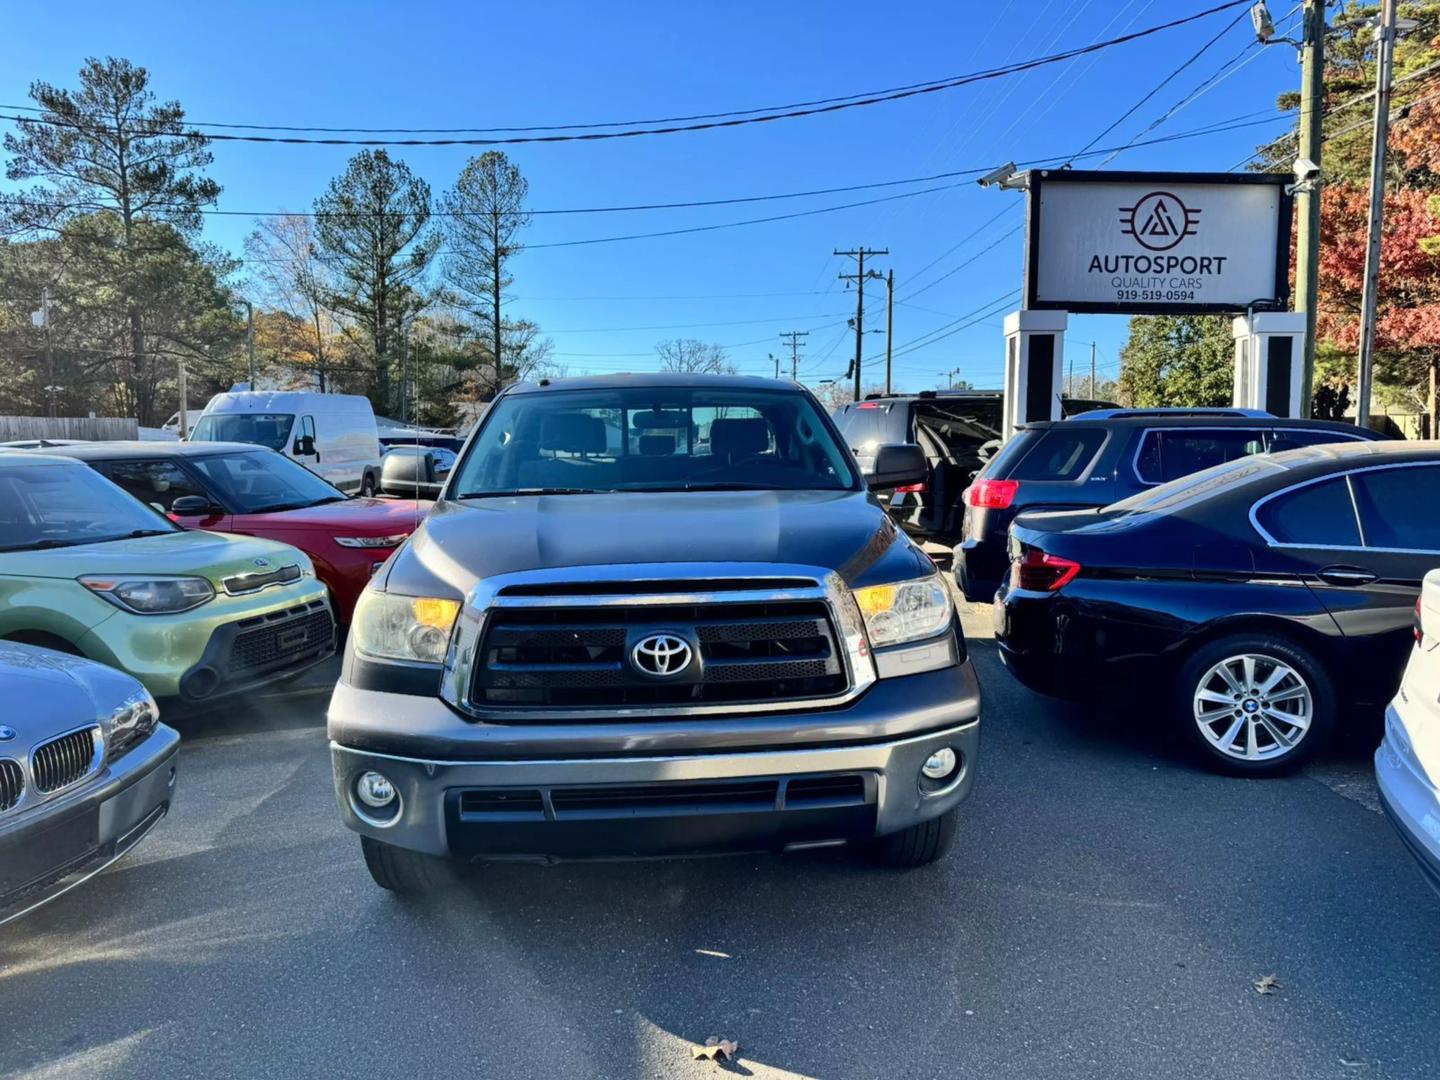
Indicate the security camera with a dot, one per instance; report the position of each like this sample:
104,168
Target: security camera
1306,171
998,176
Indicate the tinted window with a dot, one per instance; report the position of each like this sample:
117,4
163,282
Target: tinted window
1290,438
1063,454
1169,455
1012,452
871,424
1400,508
961,426
1318,514
156,483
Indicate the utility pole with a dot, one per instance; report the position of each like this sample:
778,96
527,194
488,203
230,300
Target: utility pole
950,377
1384,64
1093,383
1070,379
1307,239
776,361
859,279
250,338
184,403
793,337
889,325
49,345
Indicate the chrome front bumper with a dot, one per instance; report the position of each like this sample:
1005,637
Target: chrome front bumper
114,812
429,789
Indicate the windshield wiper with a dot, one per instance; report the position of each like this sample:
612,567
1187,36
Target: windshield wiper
50,543
279,508
512,492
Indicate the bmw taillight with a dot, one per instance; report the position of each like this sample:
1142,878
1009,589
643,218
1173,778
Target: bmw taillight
1039,571
993,494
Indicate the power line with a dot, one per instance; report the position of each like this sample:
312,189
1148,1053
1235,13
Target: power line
678,125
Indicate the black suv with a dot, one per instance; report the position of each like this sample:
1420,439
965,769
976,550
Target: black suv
1105,455
654,615
958,430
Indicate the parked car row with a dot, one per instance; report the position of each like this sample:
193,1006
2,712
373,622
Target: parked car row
137,572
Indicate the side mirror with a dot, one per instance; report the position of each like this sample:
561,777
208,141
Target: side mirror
898,465
305,445
191,506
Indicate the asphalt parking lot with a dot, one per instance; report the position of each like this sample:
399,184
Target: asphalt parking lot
1108,914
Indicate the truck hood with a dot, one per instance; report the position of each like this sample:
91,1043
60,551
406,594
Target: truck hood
845,531
361,517
202,554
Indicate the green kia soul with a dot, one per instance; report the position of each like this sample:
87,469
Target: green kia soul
87,569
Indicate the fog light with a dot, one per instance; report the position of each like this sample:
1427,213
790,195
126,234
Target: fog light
939,765
374,790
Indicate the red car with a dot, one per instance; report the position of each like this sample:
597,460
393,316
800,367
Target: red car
241,488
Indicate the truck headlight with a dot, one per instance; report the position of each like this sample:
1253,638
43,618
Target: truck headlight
130,722
905,611
415,628
152,595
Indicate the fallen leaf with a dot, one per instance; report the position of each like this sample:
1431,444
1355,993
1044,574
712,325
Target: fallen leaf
716,1049
1267,984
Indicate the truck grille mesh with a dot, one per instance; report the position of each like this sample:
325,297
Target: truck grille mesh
533,659
63,761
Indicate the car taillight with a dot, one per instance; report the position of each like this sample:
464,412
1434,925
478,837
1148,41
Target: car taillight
993,494
1041,572
910,489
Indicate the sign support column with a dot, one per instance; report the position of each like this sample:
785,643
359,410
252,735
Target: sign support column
1270,362
1034,363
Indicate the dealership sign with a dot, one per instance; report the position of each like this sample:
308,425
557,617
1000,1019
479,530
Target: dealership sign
1131,242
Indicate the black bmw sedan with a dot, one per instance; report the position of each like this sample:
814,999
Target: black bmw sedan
1260,603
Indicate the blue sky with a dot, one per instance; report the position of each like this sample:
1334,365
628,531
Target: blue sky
606,305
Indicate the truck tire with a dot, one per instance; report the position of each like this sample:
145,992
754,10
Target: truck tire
919,845
402,871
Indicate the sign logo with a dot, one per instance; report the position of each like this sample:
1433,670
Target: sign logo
1158,221
661,655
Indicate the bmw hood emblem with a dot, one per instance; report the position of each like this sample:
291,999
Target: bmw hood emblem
6,733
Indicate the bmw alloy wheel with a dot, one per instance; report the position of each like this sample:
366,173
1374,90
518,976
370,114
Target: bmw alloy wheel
1253,707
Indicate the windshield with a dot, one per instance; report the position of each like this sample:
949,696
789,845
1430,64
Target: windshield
262,429
258,482
653,439
47,506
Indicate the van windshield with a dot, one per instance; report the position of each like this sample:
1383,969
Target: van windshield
652,439
262,429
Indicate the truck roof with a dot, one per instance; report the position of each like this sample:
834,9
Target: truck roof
657,379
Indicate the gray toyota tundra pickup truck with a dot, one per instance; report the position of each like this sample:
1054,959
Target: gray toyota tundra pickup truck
654,615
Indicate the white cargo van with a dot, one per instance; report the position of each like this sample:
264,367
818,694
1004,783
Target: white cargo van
330,434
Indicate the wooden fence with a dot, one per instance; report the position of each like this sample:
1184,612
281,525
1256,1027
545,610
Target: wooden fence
67,427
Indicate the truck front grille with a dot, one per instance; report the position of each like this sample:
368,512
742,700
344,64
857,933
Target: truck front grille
581,657
64,761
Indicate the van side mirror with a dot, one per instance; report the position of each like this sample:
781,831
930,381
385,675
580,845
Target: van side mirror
305,445
898,465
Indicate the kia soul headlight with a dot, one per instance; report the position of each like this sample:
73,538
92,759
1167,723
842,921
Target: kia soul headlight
415,628
152,595
905,611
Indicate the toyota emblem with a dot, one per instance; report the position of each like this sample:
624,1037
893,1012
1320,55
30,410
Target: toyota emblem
661,655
